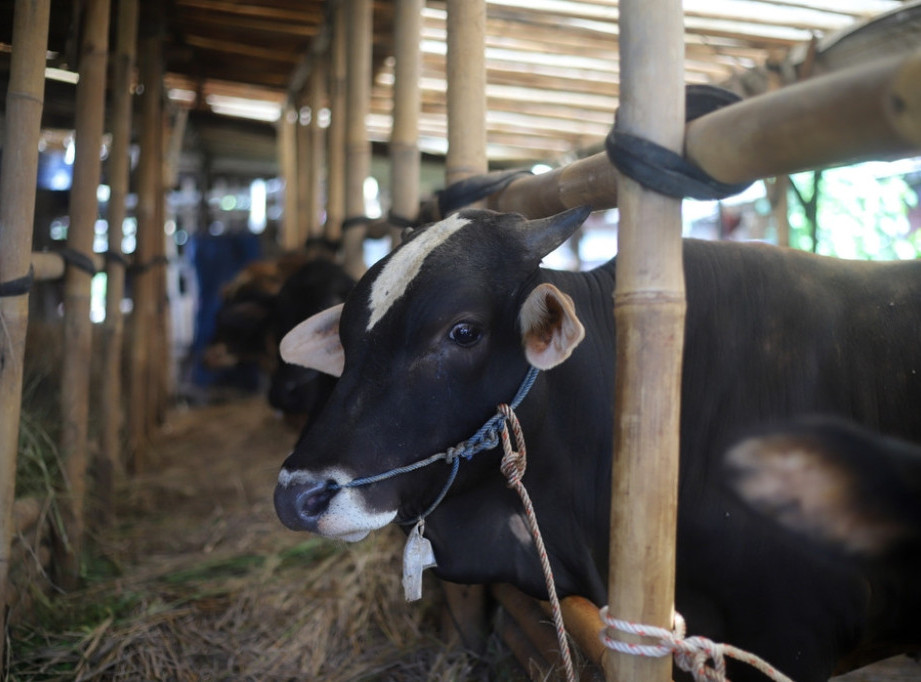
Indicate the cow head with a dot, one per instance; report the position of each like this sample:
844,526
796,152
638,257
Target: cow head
432,338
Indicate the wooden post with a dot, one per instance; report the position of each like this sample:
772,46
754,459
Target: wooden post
24,103
84,210
358,148
335,173
110,462
404,140
649,309
149,196
287,161
304,152
316,100
466,76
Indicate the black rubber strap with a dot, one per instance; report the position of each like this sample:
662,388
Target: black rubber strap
76,259
116,257
139,268
19,286
661,169
355,221
400,221
473,189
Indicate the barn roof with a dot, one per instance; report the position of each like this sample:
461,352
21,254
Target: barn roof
552,65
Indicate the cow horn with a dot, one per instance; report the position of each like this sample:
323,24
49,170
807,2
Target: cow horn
544,235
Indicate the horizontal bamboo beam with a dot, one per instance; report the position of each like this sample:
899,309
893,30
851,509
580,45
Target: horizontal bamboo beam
869,112
49,266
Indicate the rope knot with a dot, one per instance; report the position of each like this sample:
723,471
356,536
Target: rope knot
514,462
692,654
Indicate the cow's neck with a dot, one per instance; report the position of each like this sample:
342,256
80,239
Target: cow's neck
564,418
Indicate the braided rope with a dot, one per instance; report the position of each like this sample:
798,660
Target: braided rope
692,654
513,466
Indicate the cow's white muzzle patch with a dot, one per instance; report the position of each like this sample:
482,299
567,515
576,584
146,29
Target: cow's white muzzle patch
347,517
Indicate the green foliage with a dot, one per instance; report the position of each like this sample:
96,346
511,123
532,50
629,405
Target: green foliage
862,214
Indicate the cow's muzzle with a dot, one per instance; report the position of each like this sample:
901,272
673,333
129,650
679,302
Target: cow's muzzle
300,505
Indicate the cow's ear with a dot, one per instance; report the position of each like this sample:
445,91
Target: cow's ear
315,344
550,329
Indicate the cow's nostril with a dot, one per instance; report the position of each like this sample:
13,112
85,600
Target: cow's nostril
299,506
314,501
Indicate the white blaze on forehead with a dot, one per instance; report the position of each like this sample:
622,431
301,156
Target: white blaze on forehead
405,264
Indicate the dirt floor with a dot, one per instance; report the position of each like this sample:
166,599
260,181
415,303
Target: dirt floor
199,581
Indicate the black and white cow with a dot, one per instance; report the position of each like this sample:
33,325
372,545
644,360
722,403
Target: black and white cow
445,328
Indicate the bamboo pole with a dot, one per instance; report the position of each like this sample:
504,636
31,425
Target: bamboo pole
466,76
24,104
149,195
48,266
404,140
171,135
84,210
110,463
316,134
868,112
466,156
335,174
287,161
358,147
649,309
304,152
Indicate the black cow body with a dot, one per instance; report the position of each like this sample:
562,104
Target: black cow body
315,286
265,302
770,333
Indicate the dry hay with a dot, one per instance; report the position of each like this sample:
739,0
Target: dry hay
199,581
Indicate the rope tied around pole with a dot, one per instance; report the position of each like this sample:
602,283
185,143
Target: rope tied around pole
513,465
692,654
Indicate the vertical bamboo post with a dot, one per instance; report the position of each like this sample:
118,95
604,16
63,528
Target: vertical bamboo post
110,463
24,103
357,146
84,210
171,137
149,195
287,161
404,140
304,152
649,308
335,173
466,76
316,99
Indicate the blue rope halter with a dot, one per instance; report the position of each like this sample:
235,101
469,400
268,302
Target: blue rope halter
486,438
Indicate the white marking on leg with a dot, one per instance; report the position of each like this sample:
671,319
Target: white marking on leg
405,264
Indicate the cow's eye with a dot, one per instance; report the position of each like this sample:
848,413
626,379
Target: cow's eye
465,334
